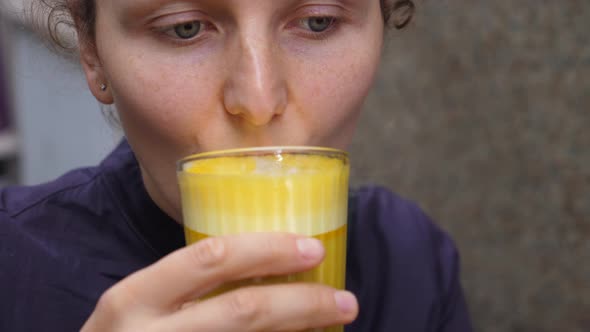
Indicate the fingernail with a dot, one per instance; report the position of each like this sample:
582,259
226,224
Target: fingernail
345,301
310,248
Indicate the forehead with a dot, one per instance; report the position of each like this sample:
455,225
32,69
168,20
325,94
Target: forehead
129,12
230,4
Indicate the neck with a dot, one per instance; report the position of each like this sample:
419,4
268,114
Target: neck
160,199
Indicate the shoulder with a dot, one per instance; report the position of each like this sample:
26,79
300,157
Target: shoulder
399,255
404,237
70,188
80,190
380,212
56,247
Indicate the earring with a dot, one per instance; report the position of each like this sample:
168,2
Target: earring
103,87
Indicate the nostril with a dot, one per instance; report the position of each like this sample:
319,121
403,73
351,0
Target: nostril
259,120
233,110
256,109
256,97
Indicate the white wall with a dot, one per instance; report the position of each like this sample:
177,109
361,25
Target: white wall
59,123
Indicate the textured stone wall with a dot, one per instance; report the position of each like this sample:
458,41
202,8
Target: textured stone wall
482,114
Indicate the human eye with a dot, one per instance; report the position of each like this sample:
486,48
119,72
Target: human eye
317,24
184,31
183,28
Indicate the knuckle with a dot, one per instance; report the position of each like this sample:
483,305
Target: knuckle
244,306
208,252
319,299
274,247
115,301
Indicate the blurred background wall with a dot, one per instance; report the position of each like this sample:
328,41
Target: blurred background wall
480,113
56,124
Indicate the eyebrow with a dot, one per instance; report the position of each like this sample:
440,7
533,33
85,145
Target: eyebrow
130,4
141,8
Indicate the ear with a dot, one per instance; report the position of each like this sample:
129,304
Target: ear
403,11
95,75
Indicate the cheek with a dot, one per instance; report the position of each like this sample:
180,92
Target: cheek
335,91
166,103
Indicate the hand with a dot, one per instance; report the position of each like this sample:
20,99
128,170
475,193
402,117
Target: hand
162,296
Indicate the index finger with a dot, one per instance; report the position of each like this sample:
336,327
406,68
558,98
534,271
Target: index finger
196,269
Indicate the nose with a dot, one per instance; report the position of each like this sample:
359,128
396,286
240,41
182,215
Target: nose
255,88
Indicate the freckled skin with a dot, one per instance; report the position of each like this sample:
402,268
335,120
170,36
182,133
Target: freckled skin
255,81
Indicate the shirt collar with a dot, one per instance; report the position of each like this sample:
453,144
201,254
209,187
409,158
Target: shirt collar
160,232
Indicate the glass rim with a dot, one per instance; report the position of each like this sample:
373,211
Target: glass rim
263,151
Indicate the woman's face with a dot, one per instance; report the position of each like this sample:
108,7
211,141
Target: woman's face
198,75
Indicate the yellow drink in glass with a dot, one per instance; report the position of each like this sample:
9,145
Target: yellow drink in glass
299,190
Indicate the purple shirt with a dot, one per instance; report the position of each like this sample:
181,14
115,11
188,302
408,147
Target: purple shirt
62,244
